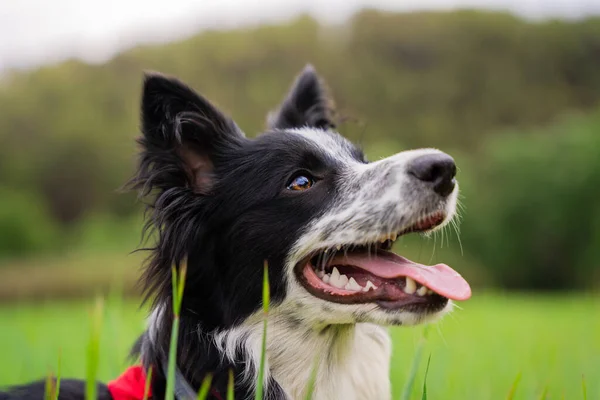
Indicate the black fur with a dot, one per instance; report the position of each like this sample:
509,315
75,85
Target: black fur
218,202
306,105
70,389
247,217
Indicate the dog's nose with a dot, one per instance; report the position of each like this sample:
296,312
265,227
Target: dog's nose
438,169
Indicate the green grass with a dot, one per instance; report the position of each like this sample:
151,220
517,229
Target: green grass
549,342
266,300
178,282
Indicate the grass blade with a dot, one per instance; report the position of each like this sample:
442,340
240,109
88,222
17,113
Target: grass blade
170,390
544,394
178,282
513,389
57,381
266,298
93,351
230,395
310,388
205,387
408,387
181,285
583,387
424,396
50,388
147,385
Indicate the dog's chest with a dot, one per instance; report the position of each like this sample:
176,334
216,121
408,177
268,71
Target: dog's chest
354,364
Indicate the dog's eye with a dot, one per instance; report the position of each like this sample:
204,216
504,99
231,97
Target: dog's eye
301,182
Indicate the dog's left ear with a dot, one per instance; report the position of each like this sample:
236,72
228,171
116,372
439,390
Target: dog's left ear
306,105
183,133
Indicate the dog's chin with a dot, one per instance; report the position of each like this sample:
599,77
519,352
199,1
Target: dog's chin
375,285
384,317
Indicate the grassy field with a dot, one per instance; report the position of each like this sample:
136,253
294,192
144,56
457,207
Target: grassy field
476,353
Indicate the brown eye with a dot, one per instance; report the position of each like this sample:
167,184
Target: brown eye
301,182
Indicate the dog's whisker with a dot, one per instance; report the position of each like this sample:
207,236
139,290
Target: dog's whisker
457,230
435,234
447,234
439,330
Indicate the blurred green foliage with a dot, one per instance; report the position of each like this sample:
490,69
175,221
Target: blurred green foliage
534,209
488,88
25,224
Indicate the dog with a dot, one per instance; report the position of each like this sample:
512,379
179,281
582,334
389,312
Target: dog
307,202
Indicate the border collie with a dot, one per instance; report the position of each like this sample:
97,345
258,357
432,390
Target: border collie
307,201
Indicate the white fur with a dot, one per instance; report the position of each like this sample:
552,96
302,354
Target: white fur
154,321
328,141
353,359
387,177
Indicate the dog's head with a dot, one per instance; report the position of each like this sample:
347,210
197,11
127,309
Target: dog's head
299,196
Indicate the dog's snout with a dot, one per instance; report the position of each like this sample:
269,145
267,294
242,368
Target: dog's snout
437,169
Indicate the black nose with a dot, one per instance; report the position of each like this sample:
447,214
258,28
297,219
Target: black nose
438,169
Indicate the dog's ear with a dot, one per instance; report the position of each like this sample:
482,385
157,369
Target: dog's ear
182,131
306,105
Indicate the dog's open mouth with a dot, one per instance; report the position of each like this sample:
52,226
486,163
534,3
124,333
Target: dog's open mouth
370,273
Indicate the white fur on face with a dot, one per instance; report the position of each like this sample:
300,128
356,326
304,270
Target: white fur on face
329,142
374,199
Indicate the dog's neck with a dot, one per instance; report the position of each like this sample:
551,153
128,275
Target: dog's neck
352,360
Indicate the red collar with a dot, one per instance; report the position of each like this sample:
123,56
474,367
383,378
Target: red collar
132,384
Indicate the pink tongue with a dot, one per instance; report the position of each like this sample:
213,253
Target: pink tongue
440,278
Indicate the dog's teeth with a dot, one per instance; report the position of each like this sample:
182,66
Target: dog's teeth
422,291
343,281
393,236
353,285
340,282
429,291
337,280
335,274
326,278
369,286
338,247
321,274
411,286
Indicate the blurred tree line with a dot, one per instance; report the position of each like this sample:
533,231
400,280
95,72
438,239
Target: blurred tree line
516,102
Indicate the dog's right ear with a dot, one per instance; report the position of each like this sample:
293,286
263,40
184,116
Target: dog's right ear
306,105
182,132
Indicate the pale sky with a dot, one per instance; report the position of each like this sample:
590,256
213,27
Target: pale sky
36,32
